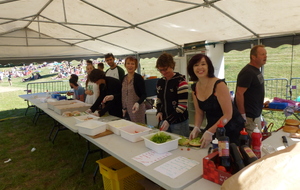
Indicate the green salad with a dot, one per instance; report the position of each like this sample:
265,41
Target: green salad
183,141
160,137
195,142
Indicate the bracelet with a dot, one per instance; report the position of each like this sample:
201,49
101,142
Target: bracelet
209,132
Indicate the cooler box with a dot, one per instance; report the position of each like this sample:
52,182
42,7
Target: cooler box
278,105
151,117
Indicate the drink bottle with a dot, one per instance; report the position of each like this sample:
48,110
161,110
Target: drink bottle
244,138
248,154
223,146
236,156
220,130
256,144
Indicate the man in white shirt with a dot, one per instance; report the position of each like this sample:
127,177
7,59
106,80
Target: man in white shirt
114,70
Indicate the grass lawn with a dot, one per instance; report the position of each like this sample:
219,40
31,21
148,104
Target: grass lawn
51,166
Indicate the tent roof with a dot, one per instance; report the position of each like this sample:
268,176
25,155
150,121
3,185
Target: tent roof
39,29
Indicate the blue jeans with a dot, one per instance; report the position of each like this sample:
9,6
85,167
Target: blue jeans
182,128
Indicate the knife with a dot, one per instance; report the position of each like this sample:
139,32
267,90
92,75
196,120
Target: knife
284,140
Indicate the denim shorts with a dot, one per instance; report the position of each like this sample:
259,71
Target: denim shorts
182,128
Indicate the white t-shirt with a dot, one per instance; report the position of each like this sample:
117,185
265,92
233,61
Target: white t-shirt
90,99
113,73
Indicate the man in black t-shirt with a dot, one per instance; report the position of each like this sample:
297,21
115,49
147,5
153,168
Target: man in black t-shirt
250,89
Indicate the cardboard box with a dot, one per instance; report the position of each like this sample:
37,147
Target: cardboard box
210,171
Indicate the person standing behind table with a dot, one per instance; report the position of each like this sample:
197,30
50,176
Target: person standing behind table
100,66
250,89
71,93
78,90
133,92
114,70
172,97
89,62
109,99
91,88
212,97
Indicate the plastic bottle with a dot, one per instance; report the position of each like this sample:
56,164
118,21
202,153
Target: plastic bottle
248,154
215,143
256,138
220,130
244,138
236,157
223,145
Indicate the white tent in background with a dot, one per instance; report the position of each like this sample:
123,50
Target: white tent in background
42,29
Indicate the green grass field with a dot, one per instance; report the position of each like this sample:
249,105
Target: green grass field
57,166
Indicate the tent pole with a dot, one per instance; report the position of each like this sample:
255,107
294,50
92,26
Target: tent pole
64,9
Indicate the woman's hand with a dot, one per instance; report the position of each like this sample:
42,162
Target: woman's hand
159,116
165,126
108,98
194,133
124,112
135,107
206,139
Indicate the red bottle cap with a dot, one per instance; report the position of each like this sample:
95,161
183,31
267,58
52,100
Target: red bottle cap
244,132
220,124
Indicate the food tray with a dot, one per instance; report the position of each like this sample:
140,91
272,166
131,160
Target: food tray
83,118
116,125
81,107
134,132
91,127
162,147
51,105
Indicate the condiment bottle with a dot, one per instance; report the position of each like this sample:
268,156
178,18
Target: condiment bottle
256,143
215,143
223,145
220,130
236,157
247,154
244,138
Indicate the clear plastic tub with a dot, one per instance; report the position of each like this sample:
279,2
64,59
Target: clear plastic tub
134,132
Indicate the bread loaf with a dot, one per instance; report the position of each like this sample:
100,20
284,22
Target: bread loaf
290,129
292,122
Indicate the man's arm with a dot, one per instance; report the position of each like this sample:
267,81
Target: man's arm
239,98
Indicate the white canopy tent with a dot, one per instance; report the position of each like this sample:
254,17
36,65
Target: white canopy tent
42,29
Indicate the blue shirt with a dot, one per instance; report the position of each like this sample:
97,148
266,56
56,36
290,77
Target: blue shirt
79,91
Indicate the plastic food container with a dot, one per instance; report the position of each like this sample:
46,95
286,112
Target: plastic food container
81,107
114,126
91,127
83,118
52,104
161,147
134,132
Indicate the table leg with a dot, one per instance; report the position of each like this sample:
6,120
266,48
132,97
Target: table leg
59,127
88,152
